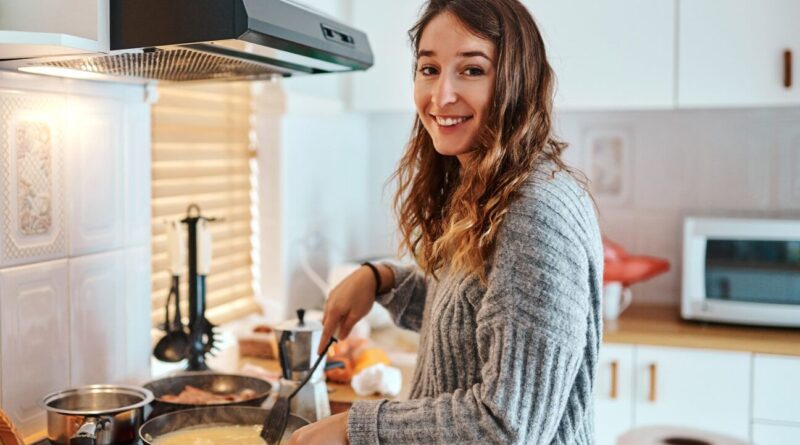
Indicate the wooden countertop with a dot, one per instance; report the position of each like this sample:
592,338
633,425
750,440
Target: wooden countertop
662,326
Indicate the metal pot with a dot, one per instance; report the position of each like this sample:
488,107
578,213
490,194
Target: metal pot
207,381
96,414
212,416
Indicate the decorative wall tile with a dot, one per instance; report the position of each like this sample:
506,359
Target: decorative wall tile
98,319
32,182
35,342
95,175
609,153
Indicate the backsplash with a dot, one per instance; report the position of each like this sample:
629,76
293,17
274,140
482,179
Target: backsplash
649,170
74,189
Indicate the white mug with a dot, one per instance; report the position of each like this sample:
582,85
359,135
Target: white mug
616,298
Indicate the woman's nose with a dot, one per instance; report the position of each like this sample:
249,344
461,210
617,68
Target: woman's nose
444,92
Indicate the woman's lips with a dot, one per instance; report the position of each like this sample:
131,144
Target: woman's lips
450,124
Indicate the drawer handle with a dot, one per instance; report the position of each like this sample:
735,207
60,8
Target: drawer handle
652,396
787,68
614,370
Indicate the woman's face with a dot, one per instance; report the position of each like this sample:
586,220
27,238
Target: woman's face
454,84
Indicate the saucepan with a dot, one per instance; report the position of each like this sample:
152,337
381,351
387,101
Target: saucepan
96,414
219,384
199,418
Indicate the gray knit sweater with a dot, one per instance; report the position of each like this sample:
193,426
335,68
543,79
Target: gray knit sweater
511,362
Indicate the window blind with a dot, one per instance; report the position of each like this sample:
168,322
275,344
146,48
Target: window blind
202,154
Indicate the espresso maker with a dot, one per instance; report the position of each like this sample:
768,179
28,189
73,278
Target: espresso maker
298,341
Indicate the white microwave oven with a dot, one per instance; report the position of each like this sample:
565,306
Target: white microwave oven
743,271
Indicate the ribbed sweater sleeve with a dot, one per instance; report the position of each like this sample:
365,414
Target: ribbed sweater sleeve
406,301
532,320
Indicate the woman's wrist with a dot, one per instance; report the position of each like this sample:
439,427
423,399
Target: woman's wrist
387,278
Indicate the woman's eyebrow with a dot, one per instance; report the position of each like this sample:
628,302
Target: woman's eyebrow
465,54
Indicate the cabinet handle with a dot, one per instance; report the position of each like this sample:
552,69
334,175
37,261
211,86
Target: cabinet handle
787,68
652,396
614,368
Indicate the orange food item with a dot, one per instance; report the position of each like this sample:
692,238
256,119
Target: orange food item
369,357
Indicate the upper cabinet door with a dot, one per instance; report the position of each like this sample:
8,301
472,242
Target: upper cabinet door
702,389
612,54
34,28
732,52
389,84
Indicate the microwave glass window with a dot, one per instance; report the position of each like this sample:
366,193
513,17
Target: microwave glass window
753,271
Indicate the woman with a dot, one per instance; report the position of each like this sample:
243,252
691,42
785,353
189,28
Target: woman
507,293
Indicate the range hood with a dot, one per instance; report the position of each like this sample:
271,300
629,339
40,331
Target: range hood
200,40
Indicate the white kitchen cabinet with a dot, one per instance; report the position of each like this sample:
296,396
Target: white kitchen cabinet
389,84
773,434
35,342
776,388
95,175
34,28
615,54
731,52
703,389
613,403
98,319
611,54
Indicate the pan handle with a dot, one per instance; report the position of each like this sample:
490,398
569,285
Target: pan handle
89,430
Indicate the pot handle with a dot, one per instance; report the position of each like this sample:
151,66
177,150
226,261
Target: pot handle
87,433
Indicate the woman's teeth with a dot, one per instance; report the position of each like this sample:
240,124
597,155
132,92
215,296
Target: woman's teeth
450,121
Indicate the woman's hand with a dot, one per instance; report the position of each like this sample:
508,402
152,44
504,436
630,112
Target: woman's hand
347,303
329,431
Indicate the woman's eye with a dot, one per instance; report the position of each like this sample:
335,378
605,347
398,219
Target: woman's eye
427,70
474,71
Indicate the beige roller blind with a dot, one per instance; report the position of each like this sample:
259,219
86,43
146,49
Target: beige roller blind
202,154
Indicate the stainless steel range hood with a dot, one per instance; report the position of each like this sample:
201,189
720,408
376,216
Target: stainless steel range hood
195,40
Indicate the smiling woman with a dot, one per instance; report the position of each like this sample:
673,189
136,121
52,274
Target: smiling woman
506,290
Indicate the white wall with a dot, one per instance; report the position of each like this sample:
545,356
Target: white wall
674,164
314,170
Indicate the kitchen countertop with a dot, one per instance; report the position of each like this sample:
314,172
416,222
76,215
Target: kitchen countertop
662,326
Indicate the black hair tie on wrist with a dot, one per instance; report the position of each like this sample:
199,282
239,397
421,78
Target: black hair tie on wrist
377,274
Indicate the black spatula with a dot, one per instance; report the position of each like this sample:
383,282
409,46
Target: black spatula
275,424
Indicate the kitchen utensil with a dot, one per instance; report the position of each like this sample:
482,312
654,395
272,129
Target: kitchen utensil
217,415
205,248
212,382
274,425
95,414
174,345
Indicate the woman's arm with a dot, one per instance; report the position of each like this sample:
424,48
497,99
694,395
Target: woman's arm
404,296
532,331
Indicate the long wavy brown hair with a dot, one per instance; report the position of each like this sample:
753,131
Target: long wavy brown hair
449,214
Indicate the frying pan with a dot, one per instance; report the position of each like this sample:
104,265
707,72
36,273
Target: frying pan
208,381
212,416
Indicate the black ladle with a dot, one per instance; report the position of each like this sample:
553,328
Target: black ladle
173,346
275,424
